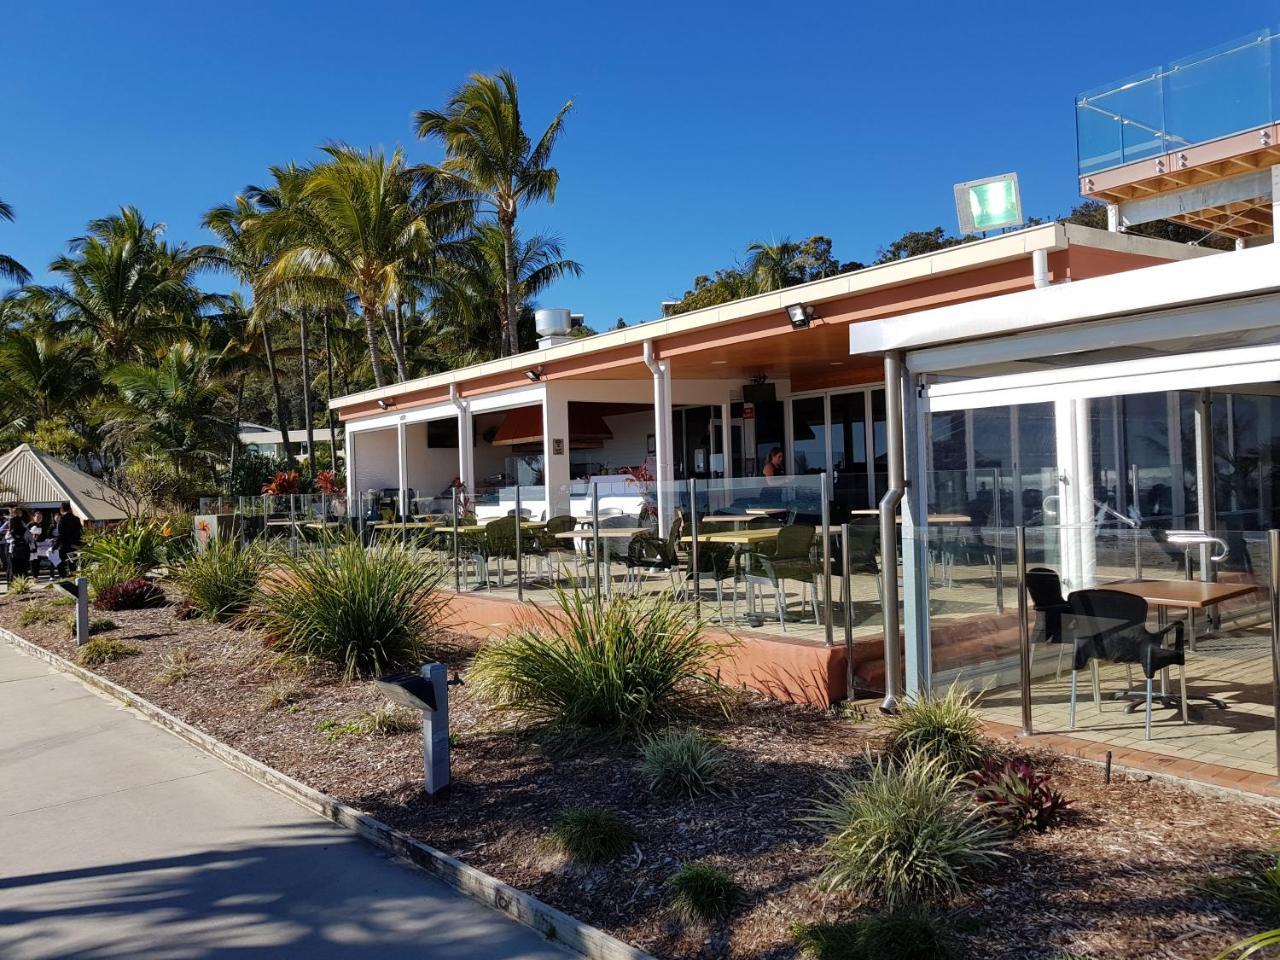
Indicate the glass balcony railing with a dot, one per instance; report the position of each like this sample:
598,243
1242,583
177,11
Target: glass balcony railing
1228,89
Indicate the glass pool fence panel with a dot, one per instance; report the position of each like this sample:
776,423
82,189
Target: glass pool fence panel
762,551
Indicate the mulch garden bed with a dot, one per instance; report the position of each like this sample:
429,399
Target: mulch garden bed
1121,878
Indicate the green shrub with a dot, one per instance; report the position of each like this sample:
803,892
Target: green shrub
906,834
683,762
21,585
104,650
218,583
1253,946
943,726
1259,886
367,611
128,551
907,935
177,665
624,665
700,891
590,836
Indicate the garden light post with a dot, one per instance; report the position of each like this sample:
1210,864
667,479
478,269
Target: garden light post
428,691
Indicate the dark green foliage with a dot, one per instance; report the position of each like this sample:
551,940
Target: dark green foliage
683,763
703,892
590,836
905,833
907,935
219,581
366,611
943,726
1018,795
624,665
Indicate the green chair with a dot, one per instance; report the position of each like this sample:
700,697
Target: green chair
552,546
500,545
648,552
789,559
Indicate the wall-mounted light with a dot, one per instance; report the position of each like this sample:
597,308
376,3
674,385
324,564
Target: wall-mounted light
534,375
386,404
800,315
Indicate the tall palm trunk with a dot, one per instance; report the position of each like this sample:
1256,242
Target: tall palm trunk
333,428
372,319
235,437
510,338
306,396
282,422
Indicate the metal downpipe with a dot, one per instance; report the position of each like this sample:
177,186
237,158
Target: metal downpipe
889,529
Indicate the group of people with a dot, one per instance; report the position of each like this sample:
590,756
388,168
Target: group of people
23,539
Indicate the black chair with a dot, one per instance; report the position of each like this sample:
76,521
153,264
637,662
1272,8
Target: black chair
1111,625
1045,589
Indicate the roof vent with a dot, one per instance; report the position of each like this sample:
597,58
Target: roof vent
555,325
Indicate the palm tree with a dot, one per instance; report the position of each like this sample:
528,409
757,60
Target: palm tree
171,409
11,269
472,304
490,157
361,228
772,266
44,375
247,255
243,354
126,286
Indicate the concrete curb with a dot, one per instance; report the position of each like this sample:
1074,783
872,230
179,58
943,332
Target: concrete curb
556,926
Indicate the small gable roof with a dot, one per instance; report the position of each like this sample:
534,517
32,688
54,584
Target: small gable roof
31,476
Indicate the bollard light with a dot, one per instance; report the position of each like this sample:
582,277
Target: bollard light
427,691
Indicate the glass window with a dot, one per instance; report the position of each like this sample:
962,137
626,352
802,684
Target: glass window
879,450
848,434
808,436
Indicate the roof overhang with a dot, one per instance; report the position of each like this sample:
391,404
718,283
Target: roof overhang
1240,274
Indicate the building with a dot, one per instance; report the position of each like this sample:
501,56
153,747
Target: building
31,478
268,442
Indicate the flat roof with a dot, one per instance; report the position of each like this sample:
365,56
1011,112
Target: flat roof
969,256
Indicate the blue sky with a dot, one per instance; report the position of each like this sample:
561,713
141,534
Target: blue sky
697,127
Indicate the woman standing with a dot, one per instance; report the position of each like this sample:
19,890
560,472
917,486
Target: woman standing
35,533
16,538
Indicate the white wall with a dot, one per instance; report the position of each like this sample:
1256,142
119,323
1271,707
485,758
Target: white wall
377,455
429,471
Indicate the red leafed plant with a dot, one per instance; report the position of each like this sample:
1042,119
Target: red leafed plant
284,483
135,594
327,483
1019,795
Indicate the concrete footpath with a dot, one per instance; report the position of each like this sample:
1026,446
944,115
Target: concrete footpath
117,839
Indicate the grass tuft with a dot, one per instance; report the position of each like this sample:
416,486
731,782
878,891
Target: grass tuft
218,583
104,650
946,727
369,611
279,694
683,763
385,720
177,666
38,612
621,666
700,891
907,834
591,836
21,585
908,935
96,625
1258,886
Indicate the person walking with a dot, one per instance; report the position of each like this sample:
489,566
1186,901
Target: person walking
66,537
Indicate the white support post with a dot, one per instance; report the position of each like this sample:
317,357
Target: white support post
726,438
1064,417
1206,494
1087,544
664,457
1113,217
555,451
466,442
355,508
917,653
402,470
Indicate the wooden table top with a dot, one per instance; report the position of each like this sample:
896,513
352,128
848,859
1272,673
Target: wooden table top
741,537
1192,594
606,533
939,518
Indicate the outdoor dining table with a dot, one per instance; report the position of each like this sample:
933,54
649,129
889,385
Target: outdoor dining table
741,538
941,519
604,533
1189,595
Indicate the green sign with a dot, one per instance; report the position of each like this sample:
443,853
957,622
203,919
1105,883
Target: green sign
988,204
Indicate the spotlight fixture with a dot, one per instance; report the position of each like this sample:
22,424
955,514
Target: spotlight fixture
534,375
384,404
800,315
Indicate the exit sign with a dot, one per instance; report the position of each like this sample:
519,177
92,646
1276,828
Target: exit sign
989,204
